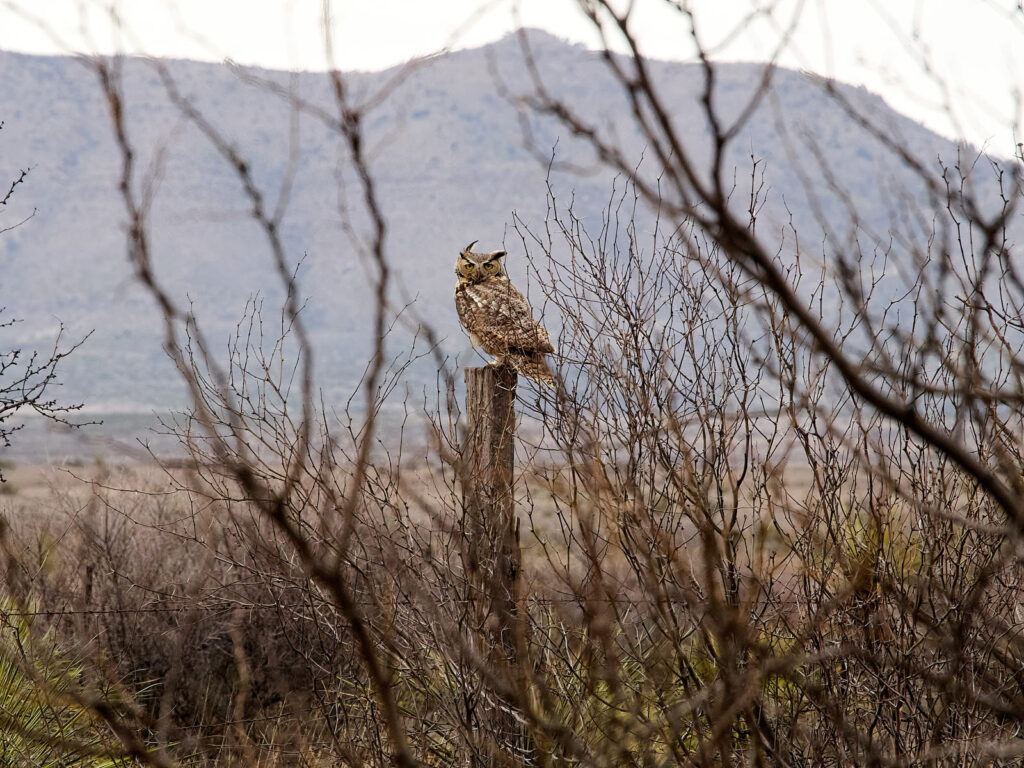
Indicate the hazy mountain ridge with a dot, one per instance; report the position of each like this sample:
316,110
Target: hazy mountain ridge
448,155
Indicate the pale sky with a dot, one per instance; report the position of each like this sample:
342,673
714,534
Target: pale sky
975,48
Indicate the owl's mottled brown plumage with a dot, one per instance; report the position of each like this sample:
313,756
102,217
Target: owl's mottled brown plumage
497,316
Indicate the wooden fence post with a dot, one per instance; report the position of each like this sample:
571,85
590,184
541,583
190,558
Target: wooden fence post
491,558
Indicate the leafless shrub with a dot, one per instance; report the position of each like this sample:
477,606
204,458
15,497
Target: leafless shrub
770,515
28,377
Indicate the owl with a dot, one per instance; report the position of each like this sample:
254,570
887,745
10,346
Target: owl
497,317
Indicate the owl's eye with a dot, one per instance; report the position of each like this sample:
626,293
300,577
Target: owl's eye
470,266
489,265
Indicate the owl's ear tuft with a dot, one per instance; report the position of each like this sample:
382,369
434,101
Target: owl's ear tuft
469,247
496,254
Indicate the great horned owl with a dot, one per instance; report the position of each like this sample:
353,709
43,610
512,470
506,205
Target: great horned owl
497,317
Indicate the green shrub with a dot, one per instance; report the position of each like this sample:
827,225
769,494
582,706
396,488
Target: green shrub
41,722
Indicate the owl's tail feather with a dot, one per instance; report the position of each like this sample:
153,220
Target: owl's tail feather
534,367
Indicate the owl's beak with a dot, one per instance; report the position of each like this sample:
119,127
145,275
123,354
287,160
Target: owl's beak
467,248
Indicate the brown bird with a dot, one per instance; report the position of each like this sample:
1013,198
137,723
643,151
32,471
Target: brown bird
497,316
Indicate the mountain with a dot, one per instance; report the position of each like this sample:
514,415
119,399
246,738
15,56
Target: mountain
449,153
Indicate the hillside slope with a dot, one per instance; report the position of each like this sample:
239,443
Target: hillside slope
448,152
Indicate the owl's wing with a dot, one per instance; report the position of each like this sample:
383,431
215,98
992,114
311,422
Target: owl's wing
465,306
500,316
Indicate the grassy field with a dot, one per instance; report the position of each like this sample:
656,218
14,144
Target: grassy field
641,618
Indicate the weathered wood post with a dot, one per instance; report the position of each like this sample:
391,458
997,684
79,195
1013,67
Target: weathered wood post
491,557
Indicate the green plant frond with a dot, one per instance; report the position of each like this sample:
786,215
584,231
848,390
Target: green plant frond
40,724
